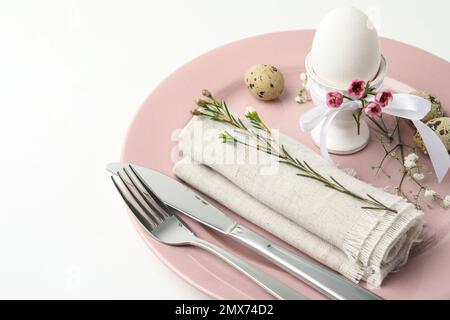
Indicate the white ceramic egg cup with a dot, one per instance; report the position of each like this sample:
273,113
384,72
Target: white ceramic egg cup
342,137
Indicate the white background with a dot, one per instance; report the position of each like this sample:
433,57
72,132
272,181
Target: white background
72,75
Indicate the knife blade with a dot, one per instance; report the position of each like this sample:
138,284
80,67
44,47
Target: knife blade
184,199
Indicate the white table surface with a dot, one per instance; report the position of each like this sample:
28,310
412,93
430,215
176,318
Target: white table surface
72,75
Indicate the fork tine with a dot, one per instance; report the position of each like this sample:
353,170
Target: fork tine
138,188
147,225
147,212
150,192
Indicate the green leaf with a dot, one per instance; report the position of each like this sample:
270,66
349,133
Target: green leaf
242,124
337,182
374,199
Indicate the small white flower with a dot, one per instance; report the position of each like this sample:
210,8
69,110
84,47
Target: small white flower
249,110
418,176
411,160
412,157
409,164
303,77
429,193
299,99
446,202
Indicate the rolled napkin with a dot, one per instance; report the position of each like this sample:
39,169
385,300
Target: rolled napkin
328,225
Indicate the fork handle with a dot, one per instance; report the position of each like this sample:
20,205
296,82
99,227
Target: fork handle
271,285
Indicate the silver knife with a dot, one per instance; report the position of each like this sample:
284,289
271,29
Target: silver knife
182,198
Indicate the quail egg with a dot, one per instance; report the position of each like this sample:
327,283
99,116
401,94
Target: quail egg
441,126
436,108
264,81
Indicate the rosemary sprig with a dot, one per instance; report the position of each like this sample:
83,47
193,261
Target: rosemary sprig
218,111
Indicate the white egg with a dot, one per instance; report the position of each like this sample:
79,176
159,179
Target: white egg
345,48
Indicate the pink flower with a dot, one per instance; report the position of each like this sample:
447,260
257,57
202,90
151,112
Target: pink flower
334,99
384,97
373,109
357,89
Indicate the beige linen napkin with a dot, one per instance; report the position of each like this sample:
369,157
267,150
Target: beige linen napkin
325,224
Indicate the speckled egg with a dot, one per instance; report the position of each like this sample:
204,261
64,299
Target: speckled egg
442,128
436,108
264,81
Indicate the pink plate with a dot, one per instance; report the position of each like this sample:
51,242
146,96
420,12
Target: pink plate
150,142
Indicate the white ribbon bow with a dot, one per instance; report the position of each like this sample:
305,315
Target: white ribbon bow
405,106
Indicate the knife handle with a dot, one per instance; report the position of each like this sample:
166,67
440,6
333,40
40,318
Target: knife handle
325,281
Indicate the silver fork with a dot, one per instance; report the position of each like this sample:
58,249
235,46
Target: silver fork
166,227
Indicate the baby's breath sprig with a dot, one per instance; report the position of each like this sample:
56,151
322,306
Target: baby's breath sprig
218,111
410,168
